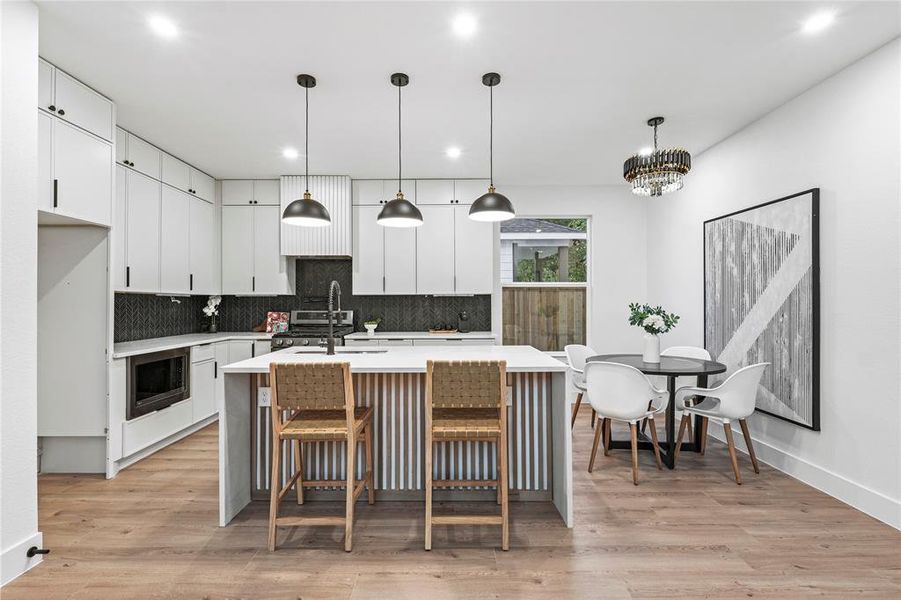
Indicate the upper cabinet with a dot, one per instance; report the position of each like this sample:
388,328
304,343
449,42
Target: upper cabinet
372,192
251,263
64,96
183,176
134,152
449,191
250,191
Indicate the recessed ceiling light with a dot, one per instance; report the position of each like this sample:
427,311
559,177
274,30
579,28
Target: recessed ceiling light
465,25
290,153
646,151
453,152
162,26
818,22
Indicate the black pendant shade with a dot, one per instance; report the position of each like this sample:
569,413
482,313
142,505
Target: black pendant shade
491,206
399,212
306,212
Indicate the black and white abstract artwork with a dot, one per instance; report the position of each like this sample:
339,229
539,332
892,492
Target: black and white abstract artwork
761,300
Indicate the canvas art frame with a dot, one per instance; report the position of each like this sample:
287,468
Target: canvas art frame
762,300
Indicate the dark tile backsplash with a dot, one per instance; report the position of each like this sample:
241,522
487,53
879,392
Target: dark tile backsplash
140,316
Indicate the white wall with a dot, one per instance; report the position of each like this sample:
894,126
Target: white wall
843,137
617,253
18,286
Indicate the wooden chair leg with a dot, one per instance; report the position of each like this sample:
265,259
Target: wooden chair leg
656,444
274,491
349,503
576,410
747,434
298,464
606,426
690,429
505,504
679,436
594,418
704,421
644,422
731,444
369,477
428,491
594,446
633,428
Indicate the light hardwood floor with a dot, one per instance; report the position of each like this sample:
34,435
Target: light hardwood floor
151,533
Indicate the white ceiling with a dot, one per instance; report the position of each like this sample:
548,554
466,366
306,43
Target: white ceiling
579,79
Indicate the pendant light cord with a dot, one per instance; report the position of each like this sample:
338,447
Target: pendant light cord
306,141
399,146
491,136
655,137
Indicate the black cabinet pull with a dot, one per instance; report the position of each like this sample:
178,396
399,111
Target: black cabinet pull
61,112
127,276
132,163
55,193
51,108
215,369
253,284
191,281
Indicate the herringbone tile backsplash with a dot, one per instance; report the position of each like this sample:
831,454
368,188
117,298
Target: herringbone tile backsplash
141,316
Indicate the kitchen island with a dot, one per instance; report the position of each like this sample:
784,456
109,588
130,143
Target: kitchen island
392,381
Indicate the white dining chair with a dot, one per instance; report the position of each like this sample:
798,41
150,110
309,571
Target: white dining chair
620,393
577,355
732,400
686,352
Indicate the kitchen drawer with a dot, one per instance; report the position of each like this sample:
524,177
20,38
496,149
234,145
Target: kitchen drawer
395,342
149,429
202,352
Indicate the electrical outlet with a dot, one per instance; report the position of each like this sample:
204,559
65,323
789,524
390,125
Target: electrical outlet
264,397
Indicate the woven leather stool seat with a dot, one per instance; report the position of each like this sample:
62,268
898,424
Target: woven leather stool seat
465,423
324,425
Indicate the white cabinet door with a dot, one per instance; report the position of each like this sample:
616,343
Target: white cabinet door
435,191
261,347
83,168
45,161
271,270
118,253
79,104
176,173
237,192
45,85
142,234
203,389
203,253
400,260
202,185
368,192
466,191
143,157
220,350
266,191
435,251
237,249
239,350
122,146
174,241
368,251
473,253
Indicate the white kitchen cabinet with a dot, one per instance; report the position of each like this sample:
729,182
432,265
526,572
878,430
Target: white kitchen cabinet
203,389
400,259
64,96
134,152
250,191
251,262
118,253
81,173
369,192
175,246
435,191
45,161
221,356
368,251
261,347
473,253
435,251
203,255
142,233
175,172
467,191
202,185
239,350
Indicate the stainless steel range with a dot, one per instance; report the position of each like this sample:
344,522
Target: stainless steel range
310,328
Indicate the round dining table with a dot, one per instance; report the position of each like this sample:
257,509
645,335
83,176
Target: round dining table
670,367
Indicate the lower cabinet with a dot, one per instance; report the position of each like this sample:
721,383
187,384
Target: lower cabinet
203,388
149,429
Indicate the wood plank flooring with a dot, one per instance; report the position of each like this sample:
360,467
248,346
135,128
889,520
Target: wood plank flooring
151,533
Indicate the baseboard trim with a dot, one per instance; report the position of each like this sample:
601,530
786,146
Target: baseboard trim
14,562
868,501
114,466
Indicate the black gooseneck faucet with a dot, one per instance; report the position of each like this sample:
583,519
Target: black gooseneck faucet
330,342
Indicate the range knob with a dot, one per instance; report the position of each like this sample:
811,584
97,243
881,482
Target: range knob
306,342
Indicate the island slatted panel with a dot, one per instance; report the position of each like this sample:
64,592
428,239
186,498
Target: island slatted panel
399,451
546,317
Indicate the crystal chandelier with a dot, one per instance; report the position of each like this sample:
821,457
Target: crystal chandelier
658,172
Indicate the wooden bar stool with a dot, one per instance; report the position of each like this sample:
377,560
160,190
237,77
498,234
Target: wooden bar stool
314,402
466,401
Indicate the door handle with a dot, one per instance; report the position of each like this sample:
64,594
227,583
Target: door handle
253,284
215,369
55,193
127,276
191,281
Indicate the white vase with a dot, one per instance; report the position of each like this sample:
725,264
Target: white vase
370,329
651,352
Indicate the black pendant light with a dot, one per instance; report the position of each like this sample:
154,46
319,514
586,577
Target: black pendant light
491,206
306,212
399,212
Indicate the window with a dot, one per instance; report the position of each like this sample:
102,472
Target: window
544,270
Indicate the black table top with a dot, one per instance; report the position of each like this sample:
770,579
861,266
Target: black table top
670,366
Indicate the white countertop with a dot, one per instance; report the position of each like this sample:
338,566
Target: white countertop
420,335
403,359
125,349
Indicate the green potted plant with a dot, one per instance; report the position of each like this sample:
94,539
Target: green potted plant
370,325
654,320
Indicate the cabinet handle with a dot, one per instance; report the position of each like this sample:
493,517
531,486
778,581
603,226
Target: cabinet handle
253,284
61,112
132,163
55,193
191,281
215,369
383,283
127,276
51,108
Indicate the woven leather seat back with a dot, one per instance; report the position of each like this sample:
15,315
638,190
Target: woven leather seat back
312,386
466,384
